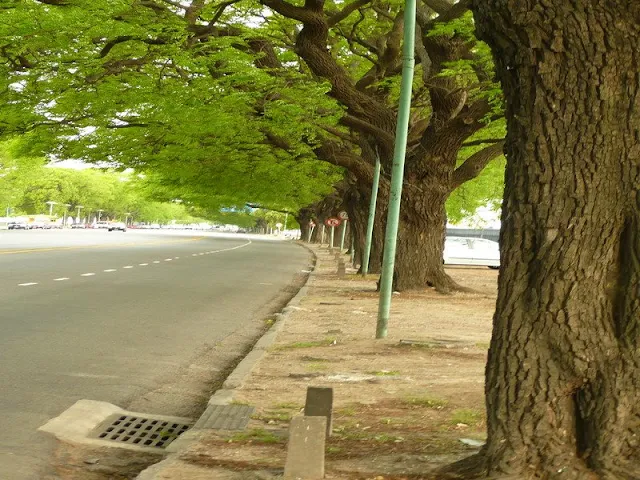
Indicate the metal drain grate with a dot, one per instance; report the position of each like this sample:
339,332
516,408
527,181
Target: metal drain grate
140,431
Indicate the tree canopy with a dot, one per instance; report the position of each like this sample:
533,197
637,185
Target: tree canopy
130,85
214,99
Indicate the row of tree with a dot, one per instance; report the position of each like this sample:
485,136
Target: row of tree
224,103
27,184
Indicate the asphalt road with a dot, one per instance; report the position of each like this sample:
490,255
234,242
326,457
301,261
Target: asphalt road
102,315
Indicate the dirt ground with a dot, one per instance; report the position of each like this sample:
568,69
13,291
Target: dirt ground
403,406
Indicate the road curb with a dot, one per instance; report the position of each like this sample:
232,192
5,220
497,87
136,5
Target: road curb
235,380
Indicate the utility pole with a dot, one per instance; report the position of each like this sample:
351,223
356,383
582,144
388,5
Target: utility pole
397,171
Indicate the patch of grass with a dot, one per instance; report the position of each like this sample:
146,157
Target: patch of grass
384,373
468,416
308,358
257,435
483,345
288,405
363,435
239,402
316,367
278,416
346,412
428,402
398,422
318,343
334,449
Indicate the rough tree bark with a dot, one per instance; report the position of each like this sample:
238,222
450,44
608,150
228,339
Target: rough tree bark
563,374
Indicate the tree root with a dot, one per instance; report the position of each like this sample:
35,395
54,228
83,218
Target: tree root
475,467
469,468
444,284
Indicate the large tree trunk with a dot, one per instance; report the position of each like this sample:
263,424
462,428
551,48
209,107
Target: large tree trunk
421,234
304,216
357,201
563,374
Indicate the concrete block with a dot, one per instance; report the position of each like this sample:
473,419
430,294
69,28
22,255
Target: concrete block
305,450
319,403
342,269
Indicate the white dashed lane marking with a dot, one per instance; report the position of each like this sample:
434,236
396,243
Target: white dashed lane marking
109,270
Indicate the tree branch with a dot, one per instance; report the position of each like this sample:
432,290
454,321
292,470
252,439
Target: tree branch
126,38
262,207
175,4
346,11
288,10
363,126
438,6
482,142
337,133
473,165
220,11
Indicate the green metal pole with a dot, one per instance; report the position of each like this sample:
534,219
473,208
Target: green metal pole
344,232
372,217
397,172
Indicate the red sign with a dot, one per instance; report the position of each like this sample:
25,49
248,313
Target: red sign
332,222
343,215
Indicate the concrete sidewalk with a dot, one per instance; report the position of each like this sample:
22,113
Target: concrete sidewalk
404,406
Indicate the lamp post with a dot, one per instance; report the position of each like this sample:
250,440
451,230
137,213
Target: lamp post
51,204
64,215
79,207
397,171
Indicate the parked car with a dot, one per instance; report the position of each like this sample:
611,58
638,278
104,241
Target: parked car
101,224
117,226
471,251
78,225
17,226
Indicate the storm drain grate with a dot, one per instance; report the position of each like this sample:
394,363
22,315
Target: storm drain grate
140,431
